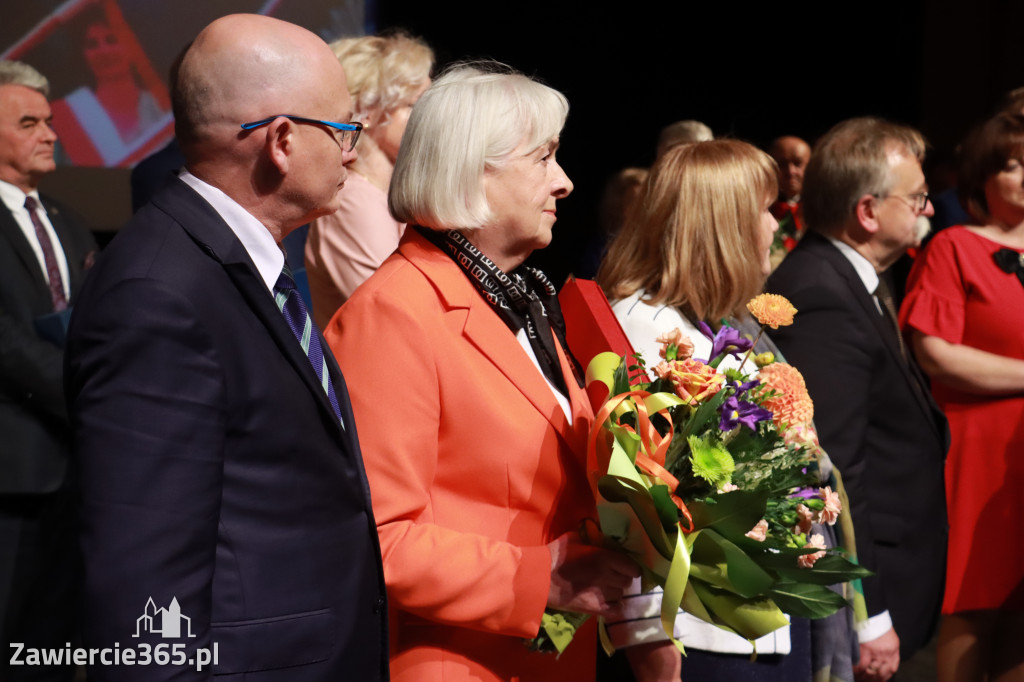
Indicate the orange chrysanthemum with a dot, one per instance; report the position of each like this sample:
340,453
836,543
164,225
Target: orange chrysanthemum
773,310
791,403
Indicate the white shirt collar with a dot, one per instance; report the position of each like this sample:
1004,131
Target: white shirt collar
14,197
265,253
865,270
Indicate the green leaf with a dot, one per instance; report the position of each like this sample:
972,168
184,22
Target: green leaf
750,618
713,574
828,570
732,514
704,414
677,450
617,489
805,600
735,375
621,379
746,577
668,512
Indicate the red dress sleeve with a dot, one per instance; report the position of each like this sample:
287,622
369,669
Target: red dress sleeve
936,291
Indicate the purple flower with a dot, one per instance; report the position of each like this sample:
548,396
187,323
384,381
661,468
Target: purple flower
742,388
736,412
727,341
807,493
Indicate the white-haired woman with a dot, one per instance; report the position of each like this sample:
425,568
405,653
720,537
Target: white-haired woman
386,75
472,422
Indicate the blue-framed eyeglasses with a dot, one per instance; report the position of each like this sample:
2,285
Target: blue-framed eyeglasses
345,133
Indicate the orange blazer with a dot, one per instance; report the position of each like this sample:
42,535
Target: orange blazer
473,469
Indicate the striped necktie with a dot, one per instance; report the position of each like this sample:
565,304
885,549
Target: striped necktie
54,280
289,302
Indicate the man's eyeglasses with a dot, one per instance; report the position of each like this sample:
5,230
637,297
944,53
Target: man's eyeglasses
917,201
345,133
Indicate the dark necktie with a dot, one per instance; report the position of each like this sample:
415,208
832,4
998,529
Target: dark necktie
60,302
884,296
289,301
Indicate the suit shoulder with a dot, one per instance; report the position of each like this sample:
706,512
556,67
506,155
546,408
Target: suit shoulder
802,272
137,245
152,246
397,282
70,219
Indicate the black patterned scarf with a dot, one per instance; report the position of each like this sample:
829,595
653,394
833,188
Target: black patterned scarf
523,299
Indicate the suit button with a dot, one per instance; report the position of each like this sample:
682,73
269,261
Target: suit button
379,606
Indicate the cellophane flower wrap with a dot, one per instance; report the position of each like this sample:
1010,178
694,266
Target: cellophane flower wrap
708,478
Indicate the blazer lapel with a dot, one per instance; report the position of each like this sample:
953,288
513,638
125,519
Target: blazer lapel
214,236
11,231
63,234
485,330
582,414
344,406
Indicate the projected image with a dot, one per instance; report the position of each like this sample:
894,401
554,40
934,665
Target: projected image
110,105
108,61
122,105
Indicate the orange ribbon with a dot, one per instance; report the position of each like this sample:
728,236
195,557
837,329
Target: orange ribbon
652,465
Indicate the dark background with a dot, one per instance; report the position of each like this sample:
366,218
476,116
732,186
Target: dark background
751,71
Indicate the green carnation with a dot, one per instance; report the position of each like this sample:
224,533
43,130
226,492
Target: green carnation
711,461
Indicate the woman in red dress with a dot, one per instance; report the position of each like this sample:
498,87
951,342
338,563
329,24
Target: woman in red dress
964,313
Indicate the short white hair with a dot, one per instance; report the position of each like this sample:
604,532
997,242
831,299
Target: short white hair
471,119
20,73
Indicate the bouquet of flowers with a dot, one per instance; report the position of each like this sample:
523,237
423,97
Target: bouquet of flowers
709,479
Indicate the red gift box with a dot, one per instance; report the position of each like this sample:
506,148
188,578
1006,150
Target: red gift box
591,327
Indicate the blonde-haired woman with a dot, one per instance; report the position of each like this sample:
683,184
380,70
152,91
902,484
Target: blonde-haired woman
695,248
386,75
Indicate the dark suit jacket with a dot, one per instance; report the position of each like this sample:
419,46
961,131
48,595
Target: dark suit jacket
33,420
214,470
886,437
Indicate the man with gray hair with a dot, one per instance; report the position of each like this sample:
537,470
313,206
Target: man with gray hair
222,483
43,254
863,193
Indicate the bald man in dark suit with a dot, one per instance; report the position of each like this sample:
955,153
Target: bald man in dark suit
221,471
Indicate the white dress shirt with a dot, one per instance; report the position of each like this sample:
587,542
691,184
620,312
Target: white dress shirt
265,253
14,198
